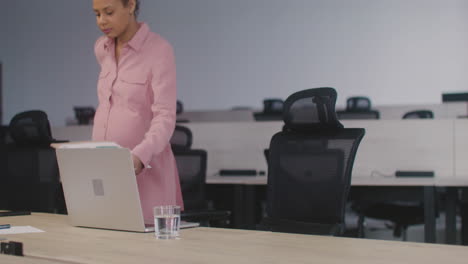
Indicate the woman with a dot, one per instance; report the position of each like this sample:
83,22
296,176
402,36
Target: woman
137,99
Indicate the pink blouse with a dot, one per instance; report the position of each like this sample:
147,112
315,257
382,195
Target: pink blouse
137,110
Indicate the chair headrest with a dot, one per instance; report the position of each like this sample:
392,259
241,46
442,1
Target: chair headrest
358,104
311,110
272,105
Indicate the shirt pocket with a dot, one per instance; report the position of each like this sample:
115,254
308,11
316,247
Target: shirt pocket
134,88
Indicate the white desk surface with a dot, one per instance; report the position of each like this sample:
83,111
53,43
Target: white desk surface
389,145
356,181
438,145
212,245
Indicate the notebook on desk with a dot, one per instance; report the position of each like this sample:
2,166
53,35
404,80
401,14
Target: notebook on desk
100,187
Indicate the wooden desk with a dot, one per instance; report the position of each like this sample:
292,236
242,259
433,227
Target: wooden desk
4,259
69,244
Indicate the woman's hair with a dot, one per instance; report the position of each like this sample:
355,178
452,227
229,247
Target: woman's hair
137,7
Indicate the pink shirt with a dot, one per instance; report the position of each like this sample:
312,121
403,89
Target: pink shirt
137,110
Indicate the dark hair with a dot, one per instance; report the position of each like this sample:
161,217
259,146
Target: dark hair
137,7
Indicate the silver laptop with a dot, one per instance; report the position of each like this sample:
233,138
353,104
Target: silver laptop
101,190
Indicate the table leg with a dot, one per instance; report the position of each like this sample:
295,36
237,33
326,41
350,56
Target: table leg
244,207
464,215
238,210
450,215
429,214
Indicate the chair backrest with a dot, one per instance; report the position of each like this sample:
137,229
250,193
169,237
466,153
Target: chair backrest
31,128
5,137
191,164
310,161
358,103
418,114
181,138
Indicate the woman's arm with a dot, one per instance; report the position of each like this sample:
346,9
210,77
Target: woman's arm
163,85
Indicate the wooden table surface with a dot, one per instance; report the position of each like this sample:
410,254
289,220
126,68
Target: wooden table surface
212,245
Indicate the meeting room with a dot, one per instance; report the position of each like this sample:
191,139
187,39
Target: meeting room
233,131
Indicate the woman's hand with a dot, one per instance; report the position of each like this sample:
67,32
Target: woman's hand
137,164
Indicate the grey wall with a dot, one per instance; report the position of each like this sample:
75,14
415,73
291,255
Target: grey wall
48,57
237,52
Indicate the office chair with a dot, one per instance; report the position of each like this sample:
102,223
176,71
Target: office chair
309,166
84,114
418,114
31,128
403,206
30,178
180,107
191,165
272,110
358,107
180,110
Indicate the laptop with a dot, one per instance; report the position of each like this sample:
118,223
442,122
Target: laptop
100,187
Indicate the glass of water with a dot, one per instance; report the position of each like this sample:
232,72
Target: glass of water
166,221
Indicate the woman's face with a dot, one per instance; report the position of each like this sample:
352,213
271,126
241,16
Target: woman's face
112,17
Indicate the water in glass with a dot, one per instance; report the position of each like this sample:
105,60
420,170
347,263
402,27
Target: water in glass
167,226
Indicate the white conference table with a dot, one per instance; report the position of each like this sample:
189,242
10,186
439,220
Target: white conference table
63,243
245,199
438,145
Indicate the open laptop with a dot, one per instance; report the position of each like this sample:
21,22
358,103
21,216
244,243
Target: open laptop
100,188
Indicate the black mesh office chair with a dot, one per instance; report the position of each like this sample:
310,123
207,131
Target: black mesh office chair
358,107
191,165
419,114
30,177
403,206
310,165
272,110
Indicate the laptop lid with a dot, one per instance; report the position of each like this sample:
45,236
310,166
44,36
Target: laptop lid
100,188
